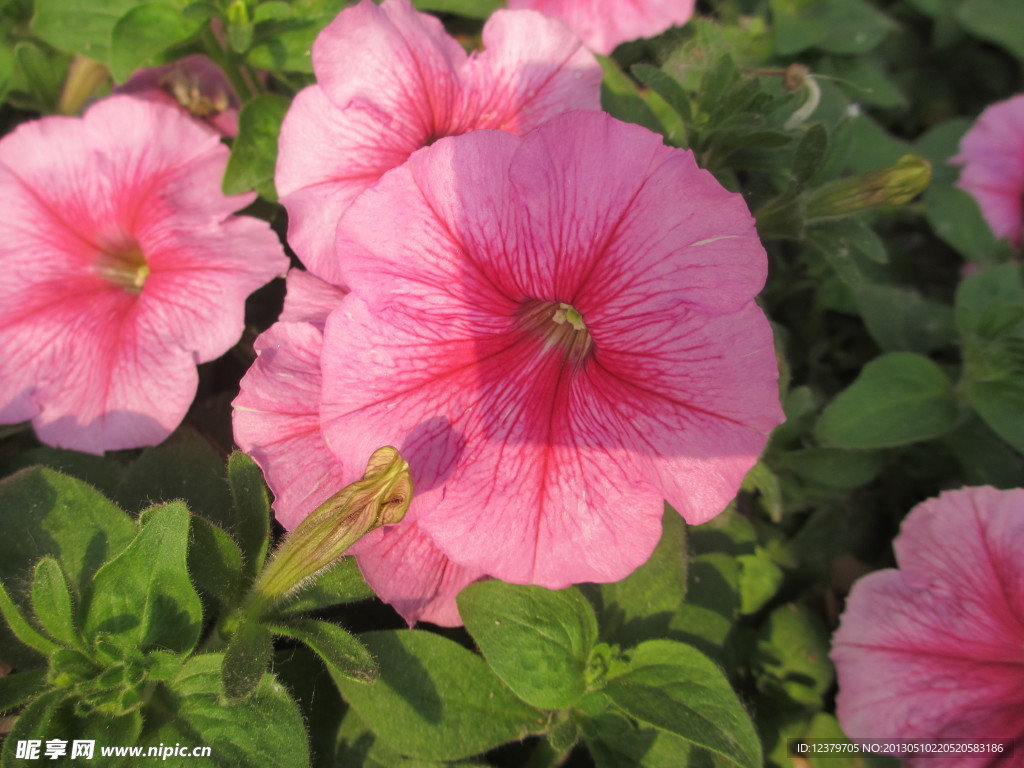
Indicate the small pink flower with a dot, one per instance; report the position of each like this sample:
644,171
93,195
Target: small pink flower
557,332
936,648
390,80
603,24
992,155
193,84
122,269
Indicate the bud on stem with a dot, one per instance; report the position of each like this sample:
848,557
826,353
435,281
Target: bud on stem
381,497
896,185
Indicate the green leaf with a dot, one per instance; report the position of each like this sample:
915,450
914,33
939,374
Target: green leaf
143,598
435,700
265,729
708,617
621,98
254,153
998,21
145,31
343,654
536,640
1000,402
760,579
901,319
677,689
215,562
46,513
989,303
810,153
103,474
898,398
252,511
183,467
986,459
665,86
284,43
247,658
615,742
641,605
341,583
19,687
792,656
836,26
473,9
955,217
52,601
21,627
43,73
35,723
834,467
80,26
6,70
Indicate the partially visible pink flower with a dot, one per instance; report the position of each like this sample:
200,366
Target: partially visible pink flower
121,268
992,155
194,84
277,421
936,648
603,24
390,81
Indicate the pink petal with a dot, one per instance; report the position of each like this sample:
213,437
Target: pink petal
934,649
392,56
531,69
603,24
309,300
277,420
992,153
407,570
327,157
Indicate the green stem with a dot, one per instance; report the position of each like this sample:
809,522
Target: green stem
229,64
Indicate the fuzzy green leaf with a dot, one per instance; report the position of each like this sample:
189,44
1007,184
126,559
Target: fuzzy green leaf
898,398
143,598
536,640
675,688
435,700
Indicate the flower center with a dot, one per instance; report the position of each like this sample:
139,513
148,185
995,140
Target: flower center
560,326
125,266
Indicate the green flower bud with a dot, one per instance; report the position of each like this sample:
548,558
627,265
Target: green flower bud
896,185
381,498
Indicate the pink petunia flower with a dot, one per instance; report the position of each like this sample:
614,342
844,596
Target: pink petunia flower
557,332
390,81
603,24
992,155
936,648
193,84
122,268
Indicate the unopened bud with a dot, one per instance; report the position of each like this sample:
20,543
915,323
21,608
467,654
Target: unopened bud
381,497
85,76
896,185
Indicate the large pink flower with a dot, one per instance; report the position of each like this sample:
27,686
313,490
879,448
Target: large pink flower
558,333
603,24
121,269
992,155
390,80
936,648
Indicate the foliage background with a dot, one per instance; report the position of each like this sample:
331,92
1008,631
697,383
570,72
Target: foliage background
899,324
